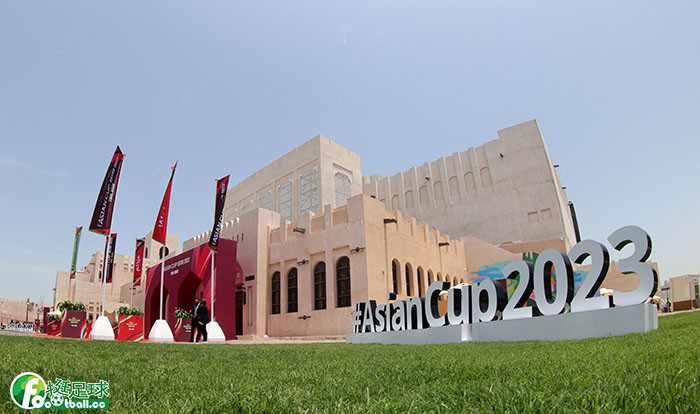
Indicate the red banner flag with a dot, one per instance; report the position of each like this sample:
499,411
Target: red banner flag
76,245
138,261
160,230
221,187
104,207
110,257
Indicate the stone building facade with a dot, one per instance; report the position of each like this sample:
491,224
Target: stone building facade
505,192
313,236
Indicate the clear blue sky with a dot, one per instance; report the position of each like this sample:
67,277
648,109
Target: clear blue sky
226,87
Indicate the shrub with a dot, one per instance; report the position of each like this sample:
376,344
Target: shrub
182,313
68,305
125,310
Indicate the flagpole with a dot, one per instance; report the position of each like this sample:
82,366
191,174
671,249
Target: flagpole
101,327
213,281
104,275
161,332
162,277
101,223
214,331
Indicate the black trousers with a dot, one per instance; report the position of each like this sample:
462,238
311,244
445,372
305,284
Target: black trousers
201,330
194,327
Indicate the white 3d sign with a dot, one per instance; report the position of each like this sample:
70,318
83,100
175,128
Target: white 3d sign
487,301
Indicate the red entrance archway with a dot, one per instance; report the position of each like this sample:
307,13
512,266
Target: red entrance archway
187,272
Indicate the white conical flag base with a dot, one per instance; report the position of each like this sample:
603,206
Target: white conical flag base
102,329
161,332
214,332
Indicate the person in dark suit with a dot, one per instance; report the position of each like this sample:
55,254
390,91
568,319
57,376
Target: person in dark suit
194,319
202,320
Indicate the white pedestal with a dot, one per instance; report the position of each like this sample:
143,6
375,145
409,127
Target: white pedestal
102,330
214,332
160,332
601,323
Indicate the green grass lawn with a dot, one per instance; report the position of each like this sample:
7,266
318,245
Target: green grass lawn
656,372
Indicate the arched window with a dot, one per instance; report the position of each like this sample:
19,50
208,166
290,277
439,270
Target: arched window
454,188
485,176
395,276
439,276
308,191
447,279
395,202
292,290
276,293
284,200
430,277
469,185
343,188
265,200
423,196
409,199
342,282
454,282
439,194
409,276
320,286
419,274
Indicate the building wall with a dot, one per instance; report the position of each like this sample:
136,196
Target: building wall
684,292
16,310
307,174
356,231
505,191
251,231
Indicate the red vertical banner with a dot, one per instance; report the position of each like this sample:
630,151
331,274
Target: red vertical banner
221,187
104,207
160,230
138,261
76,245
110,257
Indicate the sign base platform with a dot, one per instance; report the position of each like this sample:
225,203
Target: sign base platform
214,332
160,332
102,330
617,321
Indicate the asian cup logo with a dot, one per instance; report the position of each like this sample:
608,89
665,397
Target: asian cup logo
28,390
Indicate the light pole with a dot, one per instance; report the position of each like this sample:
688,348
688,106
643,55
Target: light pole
26,317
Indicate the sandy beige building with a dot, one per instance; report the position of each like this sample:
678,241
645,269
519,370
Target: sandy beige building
314,236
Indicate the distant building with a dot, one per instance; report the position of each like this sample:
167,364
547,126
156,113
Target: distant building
684,294
19,310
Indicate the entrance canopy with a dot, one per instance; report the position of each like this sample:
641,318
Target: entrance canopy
189,272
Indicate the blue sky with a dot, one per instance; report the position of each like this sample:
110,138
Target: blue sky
227,87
